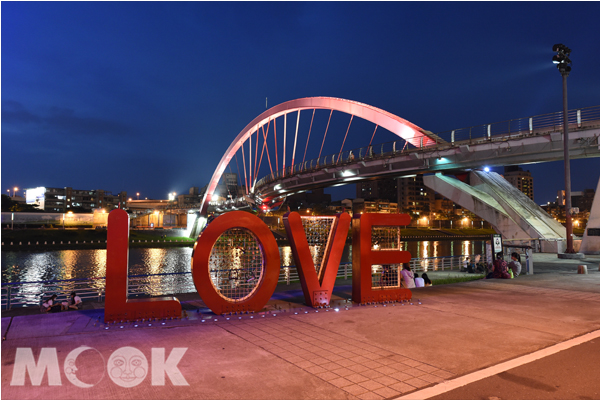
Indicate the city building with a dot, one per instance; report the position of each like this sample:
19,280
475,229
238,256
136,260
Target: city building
582,200
308,199
414,197
379,189
407,195
69,199
377,206
341,206
230,183
520,179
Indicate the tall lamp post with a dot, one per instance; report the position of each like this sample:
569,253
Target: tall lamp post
562,61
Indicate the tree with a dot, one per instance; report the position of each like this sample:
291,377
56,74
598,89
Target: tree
9,205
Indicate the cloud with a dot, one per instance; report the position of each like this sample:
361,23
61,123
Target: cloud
14,113
62,121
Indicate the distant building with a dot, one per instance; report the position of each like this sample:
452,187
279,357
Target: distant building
520,179
341,206
379,189
67,199
377,206
230,182
582,200
308,199
407,195
414,197
443,205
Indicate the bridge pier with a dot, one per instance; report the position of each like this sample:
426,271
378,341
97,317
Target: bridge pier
591,238
507,209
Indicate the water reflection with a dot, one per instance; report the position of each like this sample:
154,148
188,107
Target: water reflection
466,248
285,256
99,259
77,264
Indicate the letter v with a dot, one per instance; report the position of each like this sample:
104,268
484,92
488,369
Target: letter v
317,288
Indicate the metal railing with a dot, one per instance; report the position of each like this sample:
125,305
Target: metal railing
27,294
582,118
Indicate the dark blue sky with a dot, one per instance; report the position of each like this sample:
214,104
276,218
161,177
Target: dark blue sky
146,97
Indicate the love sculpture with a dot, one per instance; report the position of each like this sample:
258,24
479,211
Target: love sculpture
317,280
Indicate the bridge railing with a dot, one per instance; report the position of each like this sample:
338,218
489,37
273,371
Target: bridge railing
28,294
582,118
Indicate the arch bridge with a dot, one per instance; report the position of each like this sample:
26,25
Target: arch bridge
276,166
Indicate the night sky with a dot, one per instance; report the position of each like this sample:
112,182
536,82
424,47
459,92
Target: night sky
146,97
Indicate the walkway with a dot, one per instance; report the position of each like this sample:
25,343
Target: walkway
292,352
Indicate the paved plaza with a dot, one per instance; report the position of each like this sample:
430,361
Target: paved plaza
293,352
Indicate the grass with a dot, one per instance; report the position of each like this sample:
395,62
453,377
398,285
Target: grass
420,232
445,281
470,231
84,235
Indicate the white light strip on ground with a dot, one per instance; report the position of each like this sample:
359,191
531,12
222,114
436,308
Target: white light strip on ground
497,369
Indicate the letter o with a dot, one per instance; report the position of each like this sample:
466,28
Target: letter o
201,263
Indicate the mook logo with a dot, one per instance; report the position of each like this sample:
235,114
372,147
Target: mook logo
85,367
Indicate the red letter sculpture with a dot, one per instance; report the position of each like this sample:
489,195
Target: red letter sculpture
227,269
317,287
364,281
117,306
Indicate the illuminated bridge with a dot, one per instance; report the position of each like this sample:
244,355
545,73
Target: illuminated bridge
288,148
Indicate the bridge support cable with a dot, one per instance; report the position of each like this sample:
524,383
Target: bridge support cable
255,158
324,136
347,130
284,139
250,160
295,140
244,163
309,130
257,165
275,135
238,169
265,145
372,136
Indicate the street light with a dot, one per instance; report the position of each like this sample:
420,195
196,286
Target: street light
138,196
562,61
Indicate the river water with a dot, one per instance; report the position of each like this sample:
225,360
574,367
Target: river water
34,266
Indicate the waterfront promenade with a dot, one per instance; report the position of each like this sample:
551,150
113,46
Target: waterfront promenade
293,352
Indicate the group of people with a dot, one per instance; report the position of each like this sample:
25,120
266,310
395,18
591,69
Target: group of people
411,279
499,269
502,270
74,302
473,265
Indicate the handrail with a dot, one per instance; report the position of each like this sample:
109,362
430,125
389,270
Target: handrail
520,127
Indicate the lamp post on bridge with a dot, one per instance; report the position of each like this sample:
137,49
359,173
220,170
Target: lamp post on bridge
562,61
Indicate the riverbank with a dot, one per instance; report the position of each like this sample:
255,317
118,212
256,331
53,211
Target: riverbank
68,239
